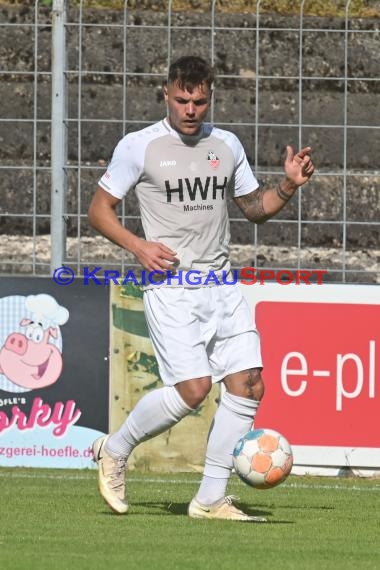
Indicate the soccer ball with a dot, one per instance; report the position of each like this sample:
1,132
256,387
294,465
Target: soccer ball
263,458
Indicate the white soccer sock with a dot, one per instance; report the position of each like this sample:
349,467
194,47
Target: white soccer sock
156,412
233,418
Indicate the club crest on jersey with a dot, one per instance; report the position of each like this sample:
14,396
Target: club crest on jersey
213,160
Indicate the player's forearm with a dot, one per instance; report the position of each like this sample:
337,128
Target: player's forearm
263,204
107,224
274,199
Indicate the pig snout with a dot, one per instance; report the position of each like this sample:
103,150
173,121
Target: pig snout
16,342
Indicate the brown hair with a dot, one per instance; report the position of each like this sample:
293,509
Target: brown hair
190,71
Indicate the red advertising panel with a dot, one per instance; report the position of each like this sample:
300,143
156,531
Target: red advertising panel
322,372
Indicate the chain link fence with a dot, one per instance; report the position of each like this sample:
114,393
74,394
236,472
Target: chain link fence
75,78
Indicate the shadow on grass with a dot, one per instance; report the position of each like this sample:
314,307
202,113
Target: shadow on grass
180,509
161,508
308,507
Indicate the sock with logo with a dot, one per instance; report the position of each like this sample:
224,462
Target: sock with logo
156,412
233,418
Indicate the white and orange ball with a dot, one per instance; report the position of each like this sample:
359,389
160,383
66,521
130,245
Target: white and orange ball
263,458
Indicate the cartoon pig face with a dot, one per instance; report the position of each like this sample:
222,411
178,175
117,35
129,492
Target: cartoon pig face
29,360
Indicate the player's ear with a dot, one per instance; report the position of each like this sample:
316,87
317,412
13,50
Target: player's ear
165,91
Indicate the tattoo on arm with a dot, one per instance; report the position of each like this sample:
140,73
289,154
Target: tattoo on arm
252,206
281,194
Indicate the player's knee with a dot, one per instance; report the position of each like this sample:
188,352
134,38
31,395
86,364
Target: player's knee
255,384
193,392
247,384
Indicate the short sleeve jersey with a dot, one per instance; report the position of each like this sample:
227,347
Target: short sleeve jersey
182,183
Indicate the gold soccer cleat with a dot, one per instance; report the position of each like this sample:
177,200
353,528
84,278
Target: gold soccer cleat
224,509
111,477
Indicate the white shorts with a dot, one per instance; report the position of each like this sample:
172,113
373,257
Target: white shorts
205,331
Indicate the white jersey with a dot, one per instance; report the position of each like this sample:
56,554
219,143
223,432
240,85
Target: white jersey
182,184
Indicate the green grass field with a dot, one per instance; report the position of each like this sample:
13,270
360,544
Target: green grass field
55,519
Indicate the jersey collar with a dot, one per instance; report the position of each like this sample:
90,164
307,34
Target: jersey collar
190,140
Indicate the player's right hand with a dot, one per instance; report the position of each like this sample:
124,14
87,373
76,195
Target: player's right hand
155,256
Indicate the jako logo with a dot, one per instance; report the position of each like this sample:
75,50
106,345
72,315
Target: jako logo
167,163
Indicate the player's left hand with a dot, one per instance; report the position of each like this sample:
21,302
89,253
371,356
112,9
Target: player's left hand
298,167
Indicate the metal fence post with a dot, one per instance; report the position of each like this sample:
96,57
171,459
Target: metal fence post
58,135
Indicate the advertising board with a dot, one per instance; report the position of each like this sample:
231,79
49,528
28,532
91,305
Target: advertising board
53,372
321,352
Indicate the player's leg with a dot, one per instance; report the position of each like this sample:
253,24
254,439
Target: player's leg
156,412
179,354
234,417
239,403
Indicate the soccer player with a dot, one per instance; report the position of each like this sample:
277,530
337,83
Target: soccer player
183,169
